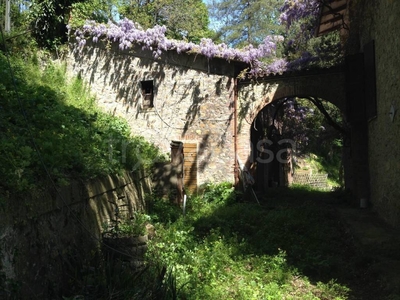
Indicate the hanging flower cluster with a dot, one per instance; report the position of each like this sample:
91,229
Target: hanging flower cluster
295,10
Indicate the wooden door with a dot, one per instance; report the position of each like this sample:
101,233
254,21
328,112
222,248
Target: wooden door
190,167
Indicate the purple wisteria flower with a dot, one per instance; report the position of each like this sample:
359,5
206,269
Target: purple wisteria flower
126,33
294,10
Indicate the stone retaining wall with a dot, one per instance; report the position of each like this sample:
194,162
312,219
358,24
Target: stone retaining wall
50,241
319,181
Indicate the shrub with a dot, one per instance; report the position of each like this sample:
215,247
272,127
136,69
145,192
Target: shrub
226,249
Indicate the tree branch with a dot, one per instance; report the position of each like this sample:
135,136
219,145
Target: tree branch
318,103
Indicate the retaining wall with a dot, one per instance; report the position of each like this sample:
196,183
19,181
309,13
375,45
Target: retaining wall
49,240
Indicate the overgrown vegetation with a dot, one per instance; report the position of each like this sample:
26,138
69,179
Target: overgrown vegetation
53,130
316,140
290,247
330,164
126,227
52,127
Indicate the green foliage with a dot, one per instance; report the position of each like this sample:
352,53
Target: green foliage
230,250
330,164
20,43
48,19
18,14
161,210
326,51
134,226
315,138
48,121
218,193
184,19
142,12
246,22
97,10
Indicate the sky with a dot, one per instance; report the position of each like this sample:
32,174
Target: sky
214,24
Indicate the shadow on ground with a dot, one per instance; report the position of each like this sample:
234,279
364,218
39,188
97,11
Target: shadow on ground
324,237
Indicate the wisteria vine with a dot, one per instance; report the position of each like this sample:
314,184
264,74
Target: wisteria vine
126,33
295,10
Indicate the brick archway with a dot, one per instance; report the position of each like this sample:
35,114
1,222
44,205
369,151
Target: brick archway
254,95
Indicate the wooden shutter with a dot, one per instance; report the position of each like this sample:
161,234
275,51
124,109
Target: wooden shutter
190,167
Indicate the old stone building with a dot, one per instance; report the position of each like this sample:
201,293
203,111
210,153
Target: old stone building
369,31
194,100
374,37
200,102
178,97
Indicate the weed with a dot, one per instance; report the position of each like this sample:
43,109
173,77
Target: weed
50,120
225,249
119,227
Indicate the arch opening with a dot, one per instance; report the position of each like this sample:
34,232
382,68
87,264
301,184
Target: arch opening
297,140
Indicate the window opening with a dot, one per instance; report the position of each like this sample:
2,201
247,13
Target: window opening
147,93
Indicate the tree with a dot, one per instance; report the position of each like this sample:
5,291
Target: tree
97,10
245,22
302,47
7,16
49,18
184,19
143,12
13,14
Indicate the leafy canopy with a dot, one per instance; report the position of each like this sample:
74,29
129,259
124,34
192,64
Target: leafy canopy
246,22
184,19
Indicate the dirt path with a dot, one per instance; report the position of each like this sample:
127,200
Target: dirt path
379,246
373,246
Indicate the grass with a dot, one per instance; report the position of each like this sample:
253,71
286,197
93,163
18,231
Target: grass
329,165
51,120
290,247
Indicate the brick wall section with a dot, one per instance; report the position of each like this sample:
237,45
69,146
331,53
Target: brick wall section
193,100
380,22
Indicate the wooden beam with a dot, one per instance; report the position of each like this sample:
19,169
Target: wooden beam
331,17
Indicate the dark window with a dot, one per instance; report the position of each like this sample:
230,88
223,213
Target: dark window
355,88
147,93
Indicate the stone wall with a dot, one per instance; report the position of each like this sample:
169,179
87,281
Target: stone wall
379,21
318,181
193,99
51,247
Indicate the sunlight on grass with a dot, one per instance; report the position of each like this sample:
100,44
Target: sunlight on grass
44,112
230,250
